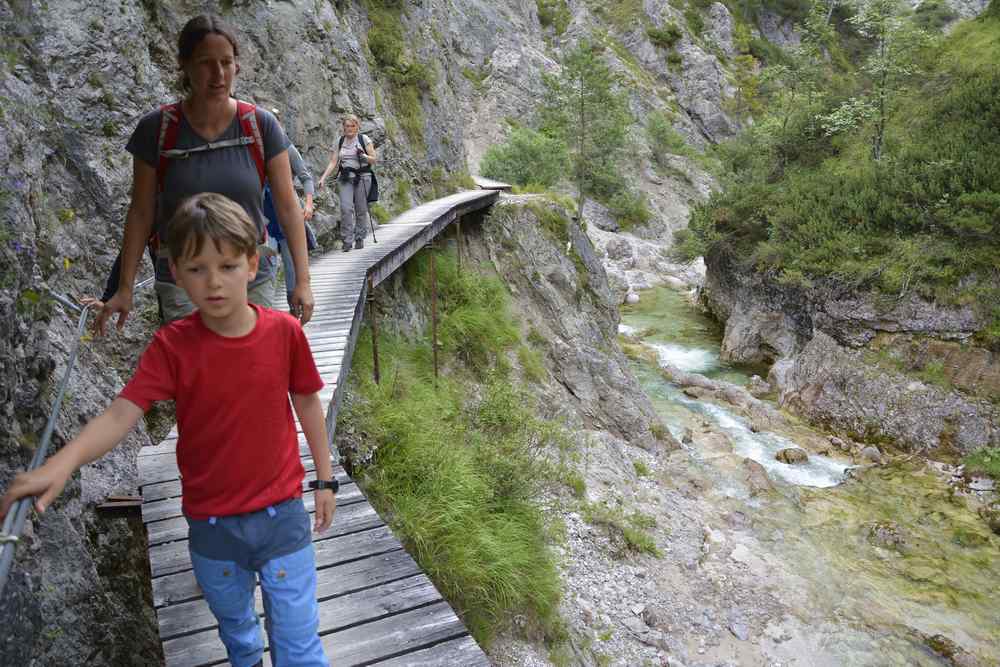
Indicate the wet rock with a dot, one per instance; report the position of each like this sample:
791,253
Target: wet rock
758,387
631,297
756,477
696,392
740,630
991,515
688,437
887,535
950,651
840,444
792,455
871,454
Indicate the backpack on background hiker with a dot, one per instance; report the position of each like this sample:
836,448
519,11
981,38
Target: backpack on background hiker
372,194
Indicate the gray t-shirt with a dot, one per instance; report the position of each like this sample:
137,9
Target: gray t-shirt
230,171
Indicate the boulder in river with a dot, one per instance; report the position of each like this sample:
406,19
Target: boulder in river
756,477
792,455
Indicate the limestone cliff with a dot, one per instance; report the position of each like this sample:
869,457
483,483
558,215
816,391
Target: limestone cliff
903,372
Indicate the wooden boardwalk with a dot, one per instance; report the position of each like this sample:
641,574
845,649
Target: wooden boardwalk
376,606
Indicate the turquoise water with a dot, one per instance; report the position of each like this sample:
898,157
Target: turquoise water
866,601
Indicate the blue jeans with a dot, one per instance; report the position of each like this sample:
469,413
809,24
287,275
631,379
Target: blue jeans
288,587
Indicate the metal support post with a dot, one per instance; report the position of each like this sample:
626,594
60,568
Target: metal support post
371,314
434,322
458,244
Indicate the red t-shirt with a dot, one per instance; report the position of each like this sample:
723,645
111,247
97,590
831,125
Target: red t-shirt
237,450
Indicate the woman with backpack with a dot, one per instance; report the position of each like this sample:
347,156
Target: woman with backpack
208,142
352,163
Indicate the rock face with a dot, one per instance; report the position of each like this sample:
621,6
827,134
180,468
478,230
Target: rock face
566,297
833,385
905,373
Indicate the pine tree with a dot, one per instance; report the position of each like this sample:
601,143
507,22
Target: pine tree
583,108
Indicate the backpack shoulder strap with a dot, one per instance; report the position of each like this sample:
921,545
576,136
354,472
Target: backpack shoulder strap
166,139
247,114
340,144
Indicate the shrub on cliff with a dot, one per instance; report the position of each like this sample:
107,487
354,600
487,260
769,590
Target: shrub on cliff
526,157
925,217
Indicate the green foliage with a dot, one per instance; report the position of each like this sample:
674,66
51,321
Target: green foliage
695,21
934,15
622,14
461,480
531,364
986,461
628,532
408,79
665,37
554,13
378,211
583,109
641,469
629,208
461,463
401,197
803,204
526,157
674,60
468,326
554,223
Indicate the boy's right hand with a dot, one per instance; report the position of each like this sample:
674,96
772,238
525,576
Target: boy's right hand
45,483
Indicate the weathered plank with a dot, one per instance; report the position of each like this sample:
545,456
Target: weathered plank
336,581
464,652
176,527
173,557
330,551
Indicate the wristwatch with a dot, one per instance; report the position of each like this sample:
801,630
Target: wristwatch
331,484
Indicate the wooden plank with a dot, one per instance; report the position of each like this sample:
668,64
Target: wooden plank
204,647
358,547
176,528
463,651
173,556
339,581
153,493
394,635
170,508
163,467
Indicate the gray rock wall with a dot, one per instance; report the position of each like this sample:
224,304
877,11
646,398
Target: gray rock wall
821,342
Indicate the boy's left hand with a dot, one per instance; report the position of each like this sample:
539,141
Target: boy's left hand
326,505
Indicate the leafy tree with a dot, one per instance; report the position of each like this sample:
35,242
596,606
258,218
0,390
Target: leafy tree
583,109
892,63
527,157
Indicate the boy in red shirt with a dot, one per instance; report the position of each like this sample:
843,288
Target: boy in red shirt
231,367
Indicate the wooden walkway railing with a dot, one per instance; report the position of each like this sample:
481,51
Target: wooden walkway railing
376,606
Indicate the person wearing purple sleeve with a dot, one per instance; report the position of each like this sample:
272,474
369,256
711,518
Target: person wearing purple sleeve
210,136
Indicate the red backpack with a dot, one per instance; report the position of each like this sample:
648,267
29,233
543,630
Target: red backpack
166,143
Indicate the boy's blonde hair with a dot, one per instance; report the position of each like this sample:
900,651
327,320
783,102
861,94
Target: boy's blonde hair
210,216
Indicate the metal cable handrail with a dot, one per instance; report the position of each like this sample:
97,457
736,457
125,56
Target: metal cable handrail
13,523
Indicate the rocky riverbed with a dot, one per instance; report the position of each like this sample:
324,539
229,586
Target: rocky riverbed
836,560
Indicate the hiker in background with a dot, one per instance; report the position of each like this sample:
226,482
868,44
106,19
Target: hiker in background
276,239
208,142
352,163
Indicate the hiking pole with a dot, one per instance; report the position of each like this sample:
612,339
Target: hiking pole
368,208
